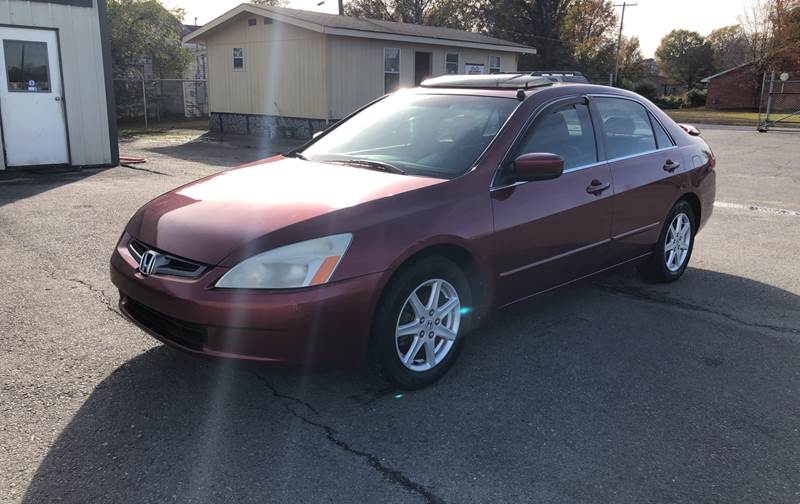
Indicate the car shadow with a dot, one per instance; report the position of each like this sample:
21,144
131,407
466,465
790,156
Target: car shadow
610,391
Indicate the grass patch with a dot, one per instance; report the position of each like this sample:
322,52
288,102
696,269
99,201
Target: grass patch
731,117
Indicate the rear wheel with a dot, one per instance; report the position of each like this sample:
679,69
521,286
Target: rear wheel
674,248
421,322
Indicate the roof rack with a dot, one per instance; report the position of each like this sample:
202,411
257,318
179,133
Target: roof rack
555,73
502,81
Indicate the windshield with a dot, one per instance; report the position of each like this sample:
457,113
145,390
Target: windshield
432,135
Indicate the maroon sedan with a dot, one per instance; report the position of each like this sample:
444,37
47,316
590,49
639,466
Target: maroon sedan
397,231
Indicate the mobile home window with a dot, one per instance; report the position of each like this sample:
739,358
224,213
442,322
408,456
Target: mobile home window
238,58
451,63
494,64
27,67
391,69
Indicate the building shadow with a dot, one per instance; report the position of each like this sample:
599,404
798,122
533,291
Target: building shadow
17,184
225,151
611,391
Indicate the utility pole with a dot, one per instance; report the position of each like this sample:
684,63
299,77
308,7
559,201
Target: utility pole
619,38
341,6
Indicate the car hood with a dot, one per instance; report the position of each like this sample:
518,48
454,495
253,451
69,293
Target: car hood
208,219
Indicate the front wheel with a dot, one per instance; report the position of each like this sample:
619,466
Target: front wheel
421,322
674,248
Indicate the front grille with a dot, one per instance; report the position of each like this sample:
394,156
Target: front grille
167,264
137,249
183,333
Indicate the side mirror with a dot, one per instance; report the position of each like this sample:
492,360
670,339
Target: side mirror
538,166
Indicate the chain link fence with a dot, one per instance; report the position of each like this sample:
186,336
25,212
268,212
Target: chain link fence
779,107
156,100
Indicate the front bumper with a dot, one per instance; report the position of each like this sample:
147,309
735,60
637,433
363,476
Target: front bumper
328,325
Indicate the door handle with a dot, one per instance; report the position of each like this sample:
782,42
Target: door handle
670,167
597,187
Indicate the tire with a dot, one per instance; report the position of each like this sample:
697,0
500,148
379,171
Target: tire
664,266
397,314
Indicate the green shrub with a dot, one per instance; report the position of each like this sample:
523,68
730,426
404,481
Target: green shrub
625,84
696,97
647,90
669,102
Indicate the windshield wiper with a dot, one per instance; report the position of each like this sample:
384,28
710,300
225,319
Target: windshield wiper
296,155
369,164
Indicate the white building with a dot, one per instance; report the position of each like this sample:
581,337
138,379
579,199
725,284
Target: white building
287,72
56,93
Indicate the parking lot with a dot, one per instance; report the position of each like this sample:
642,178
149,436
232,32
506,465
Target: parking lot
611,391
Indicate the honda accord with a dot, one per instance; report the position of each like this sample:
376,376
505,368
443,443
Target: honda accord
391,235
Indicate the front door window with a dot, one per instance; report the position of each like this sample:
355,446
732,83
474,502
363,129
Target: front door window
568,132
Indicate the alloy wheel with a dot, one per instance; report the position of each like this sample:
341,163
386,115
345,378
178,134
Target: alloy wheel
428,325
676,245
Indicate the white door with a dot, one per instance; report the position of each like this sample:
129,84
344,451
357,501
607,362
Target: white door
31,98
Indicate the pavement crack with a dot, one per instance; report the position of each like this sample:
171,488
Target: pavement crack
653,297
286,397
392,475
369,397
98,293
148,170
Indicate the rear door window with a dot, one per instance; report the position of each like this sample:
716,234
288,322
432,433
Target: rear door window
626,127
566,131
662,139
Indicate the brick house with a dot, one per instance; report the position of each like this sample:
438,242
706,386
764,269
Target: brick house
734,88
740,88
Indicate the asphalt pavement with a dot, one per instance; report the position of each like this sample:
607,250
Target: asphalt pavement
611,391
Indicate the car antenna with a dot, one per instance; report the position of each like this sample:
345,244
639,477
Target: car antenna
520,94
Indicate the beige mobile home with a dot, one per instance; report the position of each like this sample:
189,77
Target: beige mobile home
56,91
287,73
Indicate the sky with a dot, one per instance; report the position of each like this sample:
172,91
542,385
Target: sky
650,20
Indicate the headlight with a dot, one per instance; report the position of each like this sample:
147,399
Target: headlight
300,264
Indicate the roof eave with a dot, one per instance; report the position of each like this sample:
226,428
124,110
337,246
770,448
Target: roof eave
252,9
737,67
346,32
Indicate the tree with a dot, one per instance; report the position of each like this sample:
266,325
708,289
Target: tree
784,50
685,56
631,61
143,31
537,23
589,29
589,21
757,26
729,47
448,13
